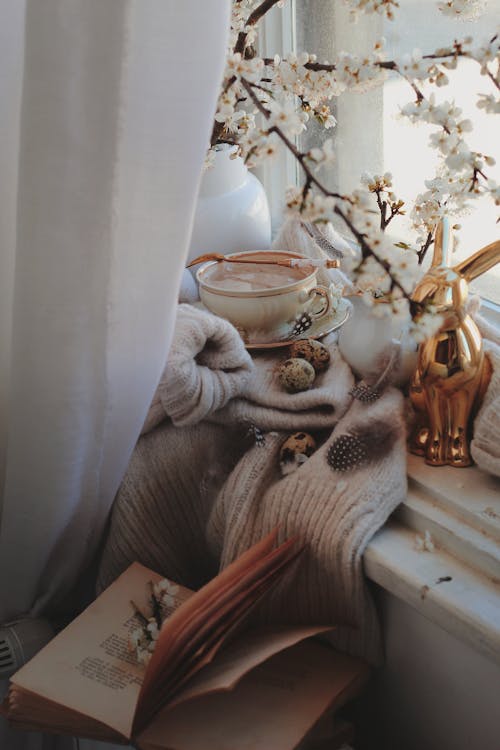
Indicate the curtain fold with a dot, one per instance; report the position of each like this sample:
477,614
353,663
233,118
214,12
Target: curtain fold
104,149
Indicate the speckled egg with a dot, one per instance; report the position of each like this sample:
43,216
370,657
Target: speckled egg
295,451
296,375
313,351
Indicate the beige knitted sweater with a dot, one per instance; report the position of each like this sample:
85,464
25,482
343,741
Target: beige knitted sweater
195,497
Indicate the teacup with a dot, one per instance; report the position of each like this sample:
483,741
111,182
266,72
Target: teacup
265,302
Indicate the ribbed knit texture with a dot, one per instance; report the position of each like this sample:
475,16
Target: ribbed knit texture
334,513
176,514
162,507
485,445
487,329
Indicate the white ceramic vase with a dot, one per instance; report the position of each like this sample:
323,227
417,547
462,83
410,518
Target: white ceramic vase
232,212
365,337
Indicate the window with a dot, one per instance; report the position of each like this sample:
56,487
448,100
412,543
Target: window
405,151
371,135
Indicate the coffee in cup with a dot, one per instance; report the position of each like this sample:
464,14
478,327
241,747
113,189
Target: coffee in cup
263,301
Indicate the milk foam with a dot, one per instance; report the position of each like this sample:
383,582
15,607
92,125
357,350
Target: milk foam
252,277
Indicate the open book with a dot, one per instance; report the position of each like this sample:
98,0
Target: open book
193,694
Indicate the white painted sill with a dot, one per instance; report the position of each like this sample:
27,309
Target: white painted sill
457,585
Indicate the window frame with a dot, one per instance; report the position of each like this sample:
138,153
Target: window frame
278,32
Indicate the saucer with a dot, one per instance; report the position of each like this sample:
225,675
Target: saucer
319,328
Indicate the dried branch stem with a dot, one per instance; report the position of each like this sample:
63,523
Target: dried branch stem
492,78
300,156
367,250
423,250
240,46
253,18
382,205
140,614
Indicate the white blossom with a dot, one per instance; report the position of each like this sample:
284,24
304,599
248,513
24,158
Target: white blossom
142,641
382,7
324,156
263,102
424,543
287,118
466,9
489,103
166,592
414,66
209,159
425,326
494,191
231,119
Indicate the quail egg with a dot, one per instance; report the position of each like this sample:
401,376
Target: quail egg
296,374
316,353
295,451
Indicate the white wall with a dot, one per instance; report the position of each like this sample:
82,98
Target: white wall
434,692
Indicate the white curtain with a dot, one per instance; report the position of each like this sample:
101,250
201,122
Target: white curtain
106,114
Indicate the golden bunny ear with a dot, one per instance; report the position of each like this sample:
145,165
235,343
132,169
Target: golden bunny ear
443,244
480,262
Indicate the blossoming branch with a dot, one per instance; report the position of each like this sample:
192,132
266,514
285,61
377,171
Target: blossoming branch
266,103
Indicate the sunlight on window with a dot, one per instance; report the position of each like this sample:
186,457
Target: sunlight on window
419,24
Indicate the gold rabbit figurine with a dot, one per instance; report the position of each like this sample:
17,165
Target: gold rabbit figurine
452,371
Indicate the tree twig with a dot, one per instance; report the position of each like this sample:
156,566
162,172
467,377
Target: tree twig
155,605
382,205
367,250
301,157
240,46
252,19
140,614
423,250
492,78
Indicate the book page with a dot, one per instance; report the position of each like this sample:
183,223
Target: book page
250,649
273,706
87,667
208,612
177,635
212,630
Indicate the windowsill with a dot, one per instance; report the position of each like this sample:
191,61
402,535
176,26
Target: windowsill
460,508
